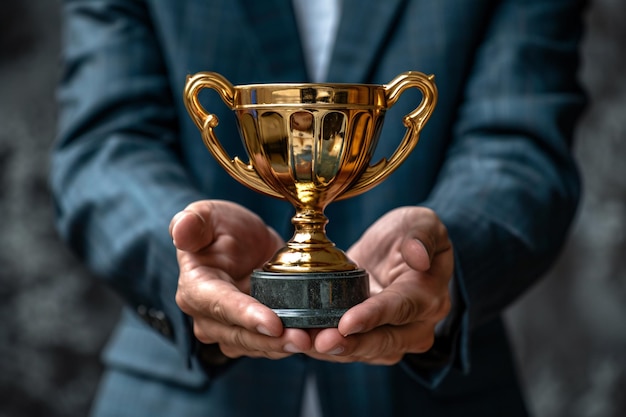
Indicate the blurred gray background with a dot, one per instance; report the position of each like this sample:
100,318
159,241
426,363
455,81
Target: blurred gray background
569,332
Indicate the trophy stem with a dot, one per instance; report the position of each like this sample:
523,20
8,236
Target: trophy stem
309,250
310,283
310,228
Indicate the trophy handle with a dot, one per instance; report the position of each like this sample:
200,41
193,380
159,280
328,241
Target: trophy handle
206,122
414,122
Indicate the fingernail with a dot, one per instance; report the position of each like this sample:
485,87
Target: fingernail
178,216
263,330
291,348
337,351
424,246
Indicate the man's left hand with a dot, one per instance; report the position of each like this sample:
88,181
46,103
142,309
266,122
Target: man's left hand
409,258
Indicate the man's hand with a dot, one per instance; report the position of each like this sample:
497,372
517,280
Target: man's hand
218,245
410,261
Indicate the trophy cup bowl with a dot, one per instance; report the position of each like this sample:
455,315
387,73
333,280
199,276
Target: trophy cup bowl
310,144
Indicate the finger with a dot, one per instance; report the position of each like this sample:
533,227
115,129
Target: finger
236,342
398,304
221,301
258,354
383,345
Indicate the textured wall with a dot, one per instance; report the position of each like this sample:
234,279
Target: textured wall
569,331
53,319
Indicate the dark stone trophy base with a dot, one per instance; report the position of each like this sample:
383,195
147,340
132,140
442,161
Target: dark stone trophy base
310,300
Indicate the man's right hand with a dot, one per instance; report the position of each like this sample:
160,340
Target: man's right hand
219,244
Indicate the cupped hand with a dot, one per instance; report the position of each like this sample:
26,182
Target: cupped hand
410,262
219,244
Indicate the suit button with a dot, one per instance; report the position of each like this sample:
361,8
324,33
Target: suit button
156,319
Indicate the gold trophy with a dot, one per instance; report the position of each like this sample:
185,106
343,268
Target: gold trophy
310,144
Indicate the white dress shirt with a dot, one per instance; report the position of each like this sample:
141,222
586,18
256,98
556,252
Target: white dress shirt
317,22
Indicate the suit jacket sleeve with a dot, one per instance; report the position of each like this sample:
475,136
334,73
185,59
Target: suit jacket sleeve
509,188
116,173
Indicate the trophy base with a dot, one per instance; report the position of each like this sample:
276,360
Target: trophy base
310,300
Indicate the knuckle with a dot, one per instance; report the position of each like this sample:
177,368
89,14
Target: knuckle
201,334
238,339
218,311
233,344
230,351
407,311
181,301
390,343
423,343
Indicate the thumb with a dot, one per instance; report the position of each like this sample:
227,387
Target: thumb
425,241
415,254
189,231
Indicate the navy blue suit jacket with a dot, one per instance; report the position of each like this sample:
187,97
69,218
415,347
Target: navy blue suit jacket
493,162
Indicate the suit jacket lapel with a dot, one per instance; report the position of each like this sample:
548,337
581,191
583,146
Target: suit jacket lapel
361,35
275,31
